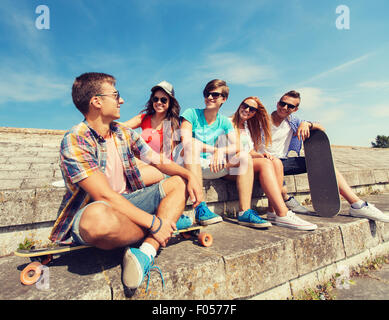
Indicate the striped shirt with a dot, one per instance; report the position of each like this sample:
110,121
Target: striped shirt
83,151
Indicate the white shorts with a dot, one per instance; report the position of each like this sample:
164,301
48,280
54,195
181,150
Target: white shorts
204,163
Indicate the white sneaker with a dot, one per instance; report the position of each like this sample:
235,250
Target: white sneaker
290,221
369,211
293,205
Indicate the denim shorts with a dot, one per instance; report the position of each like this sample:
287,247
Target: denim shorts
147,199
294,165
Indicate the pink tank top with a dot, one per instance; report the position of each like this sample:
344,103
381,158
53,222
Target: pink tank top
114,170
153,137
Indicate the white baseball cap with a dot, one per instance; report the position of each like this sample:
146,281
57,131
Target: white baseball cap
165,86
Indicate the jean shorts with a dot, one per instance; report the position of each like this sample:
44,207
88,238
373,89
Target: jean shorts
294,165
146,199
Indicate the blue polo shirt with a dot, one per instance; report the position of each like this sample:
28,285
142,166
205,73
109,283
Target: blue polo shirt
204,132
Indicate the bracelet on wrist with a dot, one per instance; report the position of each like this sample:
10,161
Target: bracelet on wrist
152,223
160,225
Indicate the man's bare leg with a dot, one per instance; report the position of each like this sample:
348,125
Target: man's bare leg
106,228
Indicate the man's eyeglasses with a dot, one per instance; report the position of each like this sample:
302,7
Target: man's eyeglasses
244,106
116,94
213,94
290,106
156,99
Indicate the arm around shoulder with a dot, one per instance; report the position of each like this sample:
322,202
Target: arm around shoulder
135,122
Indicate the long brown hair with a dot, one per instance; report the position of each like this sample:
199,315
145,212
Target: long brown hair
258,124
173,112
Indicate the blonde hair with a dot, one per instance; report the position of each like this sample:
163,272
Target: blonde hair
258,124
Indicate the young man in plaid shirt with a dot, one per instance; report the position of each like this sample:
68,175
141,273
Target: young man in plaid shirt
107,202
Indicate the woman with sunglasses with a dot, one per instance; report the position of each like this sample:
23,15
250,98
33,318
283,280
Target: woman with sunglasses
252,126
159,120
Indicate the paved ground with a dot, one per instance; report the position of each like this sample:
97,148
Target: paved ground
241,263
372,286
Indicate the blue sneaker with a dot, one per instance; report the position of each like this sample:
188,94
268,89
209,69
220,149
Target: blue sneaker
136,265
184,222
204,216
250,218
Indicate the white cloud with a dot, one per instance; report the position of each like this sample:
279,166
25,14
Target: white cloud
20,25
314,98
375,85
235,69
380,111
29,86
331,116
338,68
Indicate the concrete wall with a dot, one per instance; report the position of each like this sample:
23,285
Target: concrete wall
29,163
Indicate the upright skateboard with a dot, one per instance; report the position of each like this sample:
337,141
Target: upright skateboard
321,174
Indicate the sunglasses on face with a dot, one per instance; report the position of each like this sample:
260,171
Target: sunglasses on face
244,106
116,94
156,99
213,94
290,106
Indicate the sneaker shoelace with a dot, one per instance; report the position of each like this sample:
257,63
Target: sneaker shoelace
295,218
150,267
201,211
254,213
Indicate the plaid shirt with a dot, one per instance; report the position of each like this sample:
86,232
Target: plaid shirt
83,151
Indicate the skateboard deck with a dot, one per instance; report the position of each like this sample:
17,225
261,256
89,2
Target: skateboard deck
46,251
205,239
255,226
321,174
41,256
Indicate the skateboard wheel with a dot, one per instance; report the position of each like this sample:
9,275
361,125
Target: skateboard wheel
205,239
31,273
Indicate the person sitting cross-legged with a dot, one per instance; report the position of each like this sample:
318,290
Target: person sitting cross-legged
107,203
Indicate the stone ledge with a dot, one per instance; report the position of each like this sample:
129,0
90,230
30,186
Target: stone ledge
242,263
31,212
31,131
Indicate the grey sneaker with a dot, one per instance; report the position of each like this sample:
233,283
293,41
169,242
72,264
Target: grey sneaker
293,205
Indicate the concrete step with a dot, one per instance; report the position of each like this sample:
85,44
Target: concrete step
243,263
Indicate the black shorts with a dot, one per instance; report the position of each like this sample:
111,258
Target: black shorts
294,165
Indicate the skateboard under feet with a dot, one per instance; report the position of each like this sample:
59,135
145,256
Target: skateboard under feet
205,239
42,256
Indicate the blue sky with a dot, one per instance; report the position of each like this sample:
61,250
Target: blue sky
260,47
